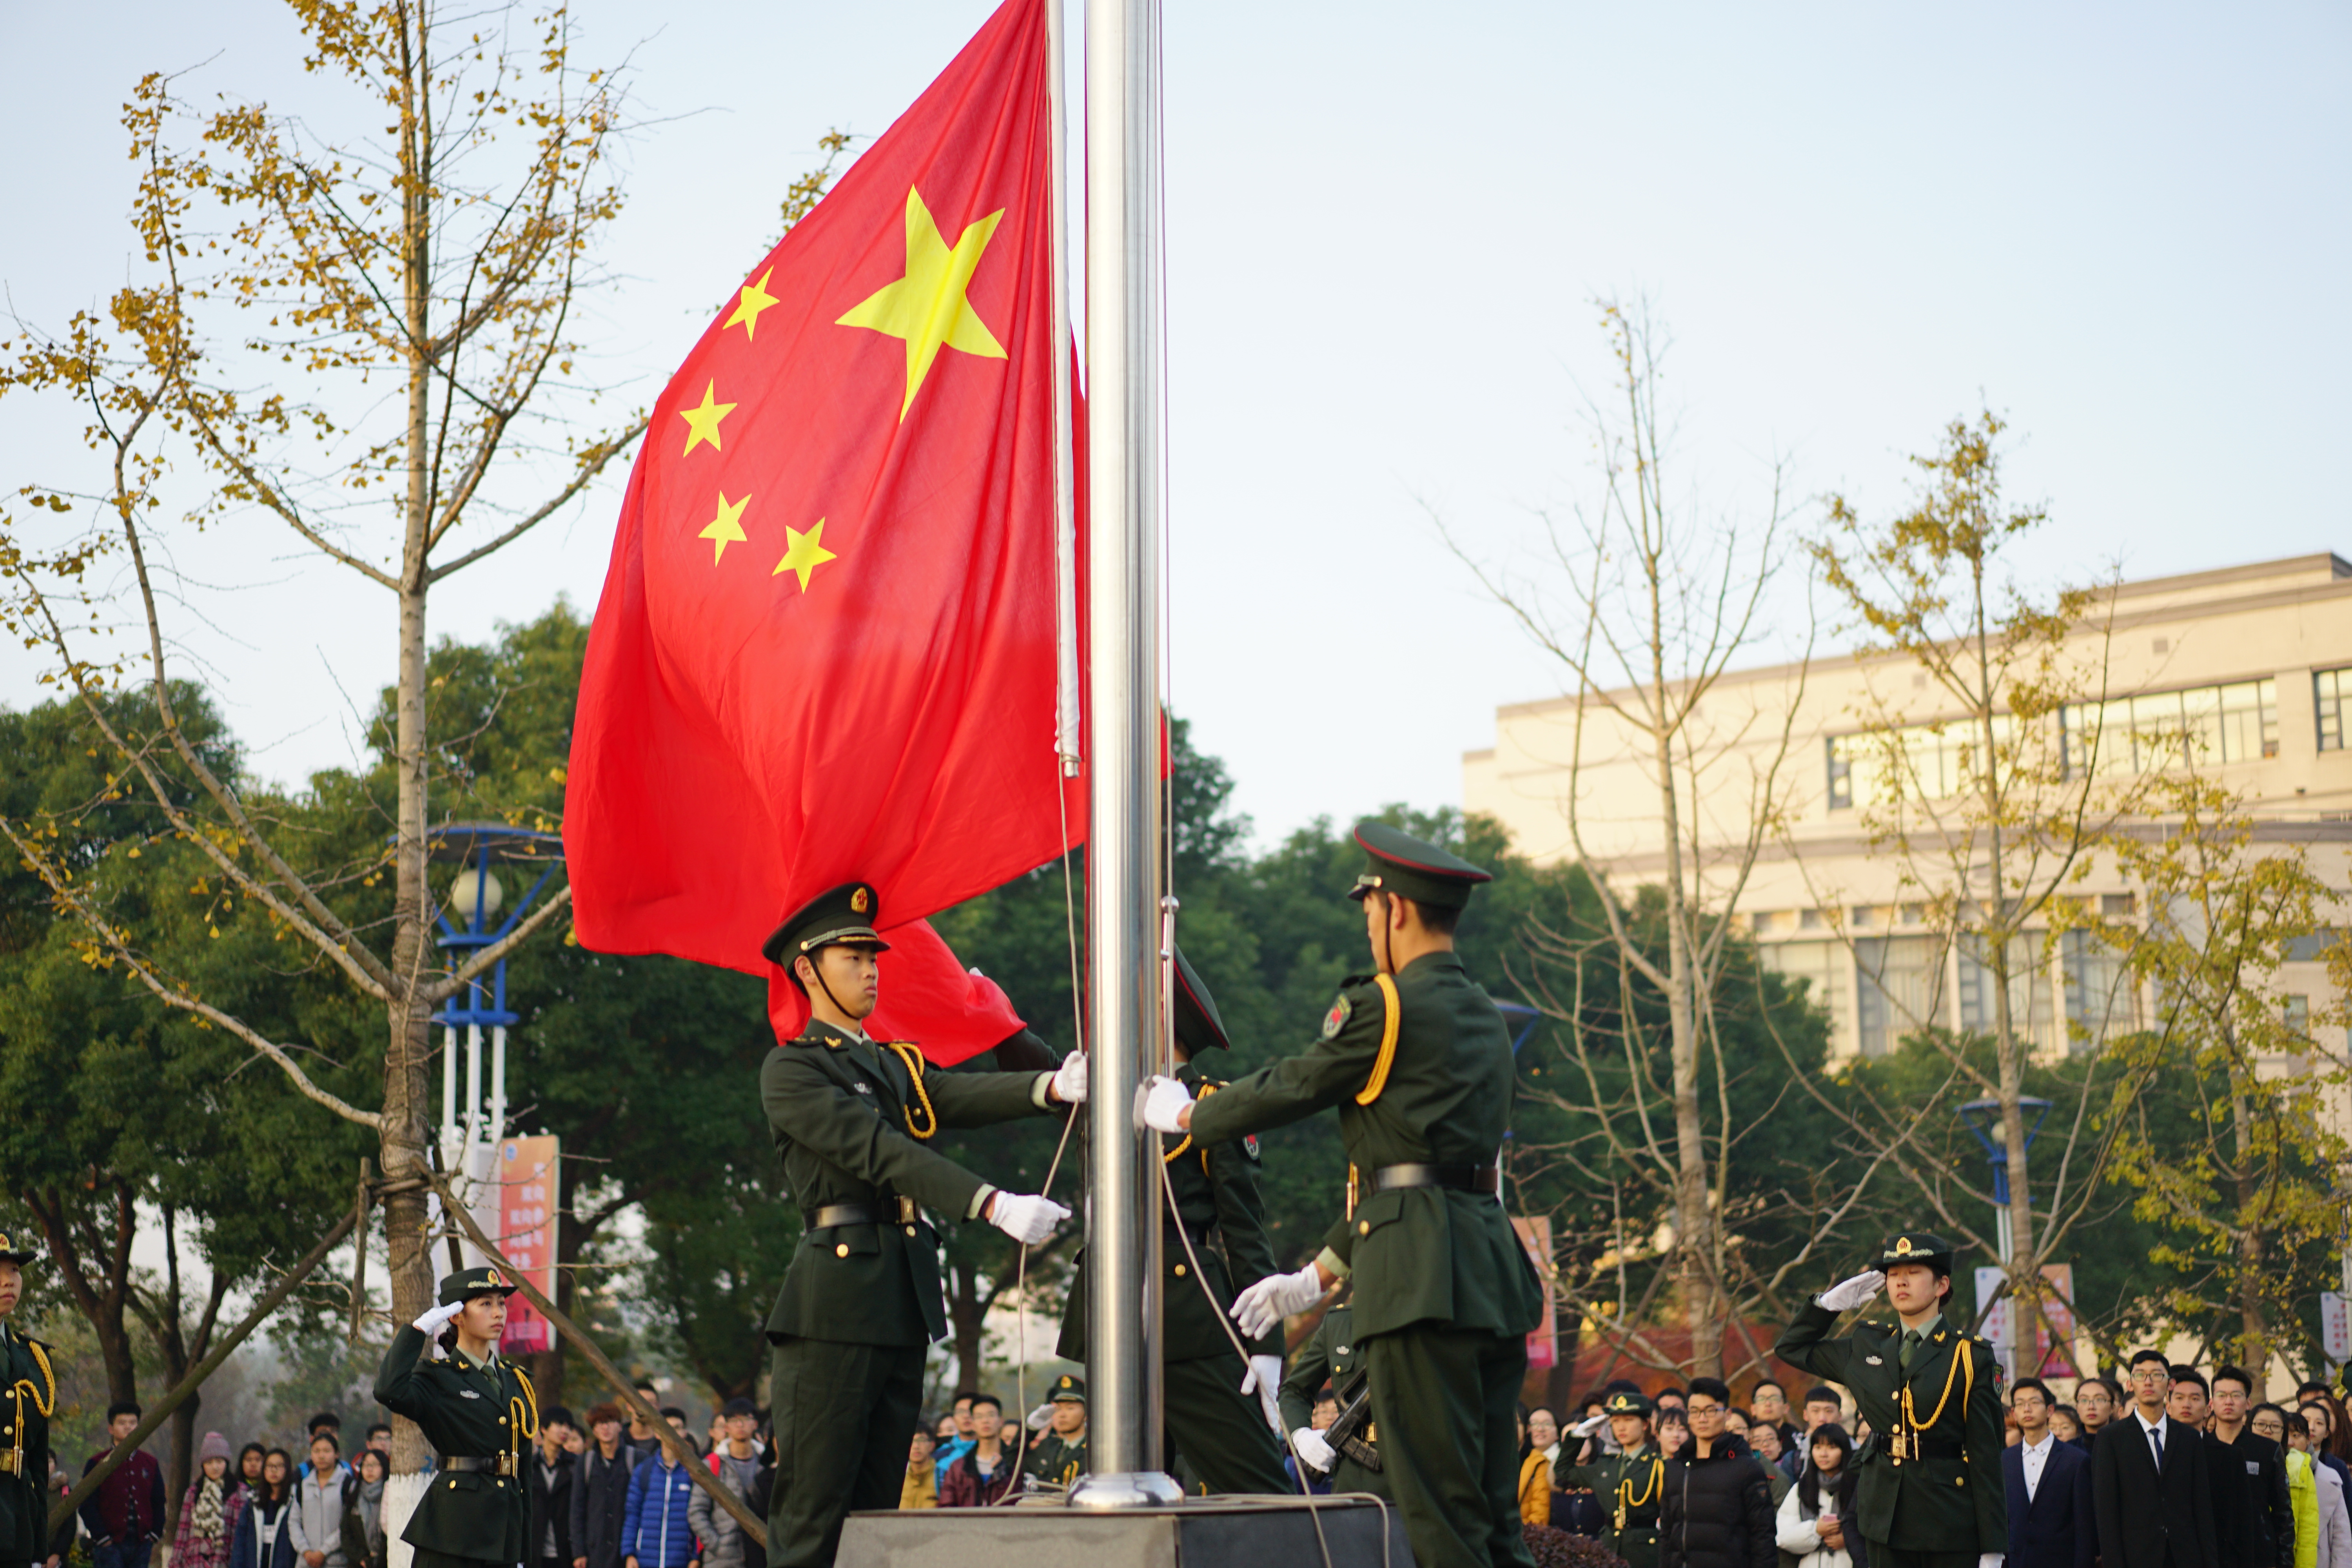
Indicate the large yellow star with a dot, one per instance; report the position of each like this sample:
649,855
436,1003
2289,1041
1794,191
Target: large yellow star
727,528
702,423
927,307
804,553
749,301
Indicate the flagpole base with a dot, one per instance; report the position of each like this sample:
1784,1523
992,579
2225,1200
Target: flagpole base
1132,1489
1348,1532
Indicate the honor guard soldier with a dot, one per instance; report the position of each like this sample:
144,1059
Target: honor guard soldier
1333,1356
853,1120
1060,1455
1930,1493
27,1400
480,1411
1417,1060
1629,1483
1224,1437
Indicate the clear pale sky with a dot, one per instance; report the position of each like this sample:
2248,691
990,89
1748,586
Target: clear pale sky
2125,227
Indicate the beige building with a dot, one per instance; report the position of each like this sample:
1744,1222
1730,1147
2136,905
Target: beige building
2245,673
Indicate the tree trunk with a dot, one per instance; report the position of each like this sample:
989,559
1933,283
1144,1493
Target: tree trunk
2255,1345
104,1304
966,1317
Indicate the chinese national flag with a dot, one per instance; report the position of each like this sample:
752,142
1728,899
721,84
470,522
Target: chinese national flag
825,649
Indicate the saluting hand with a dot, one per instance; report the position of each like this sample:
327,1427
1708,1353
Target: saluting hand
1847,1294
437,1318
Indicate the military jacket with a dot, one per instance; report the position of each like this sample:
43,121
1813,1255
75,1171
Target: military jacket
1417,1253
27,1398
1055,1461
1219,1205
1332,1355
852,1121
1942,1490
466,1407
1629,1487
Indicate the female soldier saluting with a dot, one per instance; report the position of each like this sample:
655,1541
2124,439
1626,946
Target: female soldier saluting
480,1413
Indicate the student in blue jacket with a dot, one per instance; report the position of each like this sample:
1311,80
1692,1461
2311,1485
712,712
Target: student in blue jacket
654,1532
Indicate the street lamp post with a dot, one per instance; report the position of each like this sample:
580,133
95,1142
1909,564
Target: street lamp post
478,901
1982,1118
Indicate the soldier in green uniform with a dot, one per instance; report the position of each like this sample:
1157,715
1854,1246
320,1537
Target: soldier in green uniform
29,1397
1418,1061
1930,1493
480,1411
852,1119
1334,1356
1059,1456
1629,1483
1225,1437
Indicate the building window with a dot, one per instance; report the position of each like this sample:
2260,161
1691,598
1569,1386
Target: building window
2101,998
1840,775
2030,1010
1899,989
2237,722
2329,689
1823,968
1923,762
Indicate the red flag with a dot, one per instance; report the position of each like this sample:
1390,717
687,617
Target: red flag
927,996
825,649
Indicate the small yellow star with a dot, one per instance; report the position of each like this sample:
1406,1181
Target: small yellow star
727,528
702,423
927,307
805,553
749,301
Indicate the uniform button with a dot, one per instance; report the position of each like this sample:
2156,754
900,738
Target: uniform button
841,1249
1179,1271
1363,1227
910,1230
502,1420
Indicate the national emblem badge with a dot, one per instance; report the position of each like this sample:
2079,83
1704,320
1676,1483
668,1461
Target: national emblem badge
1336,1019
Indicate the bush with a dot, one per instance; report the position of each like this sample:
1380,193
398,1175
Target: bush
1559,1549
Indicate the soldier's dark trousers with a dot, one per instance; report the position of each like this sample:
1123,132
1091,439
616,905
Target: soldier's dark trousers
1218,1429
843,1415
1446,1402
1897,1557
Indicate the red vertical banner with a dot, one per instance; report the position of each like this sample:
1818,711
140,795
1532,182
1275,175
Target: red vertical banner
525,1232
1543,1340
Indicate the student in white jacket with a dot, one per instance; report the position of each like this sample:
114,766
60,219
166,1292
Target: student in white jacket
1825,1491
2334,1516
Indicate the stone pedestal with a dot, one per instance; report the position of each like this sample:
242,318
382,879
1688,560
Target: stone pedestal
1212,1532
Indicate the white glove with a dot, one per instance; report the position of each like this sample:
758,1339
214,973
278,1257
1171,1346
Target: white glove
1312,1450
1025,1218
1989,1559
1164,1100
1848,1294
1041,1418
1264,1380
1588,1427
1274,1298
1070,1079
438,1319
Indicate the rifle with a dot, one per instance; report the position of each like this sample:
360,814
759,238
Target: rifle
1354,1415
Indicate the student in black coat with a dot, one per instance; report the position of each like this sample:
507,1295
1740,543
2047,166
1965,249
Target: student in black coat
600,1490
2051,1522
548,1474
2152,1515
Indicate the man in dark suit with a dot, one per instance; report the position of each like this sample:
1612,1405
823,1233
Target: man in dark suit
2049,1487
2252,1518
2151,1491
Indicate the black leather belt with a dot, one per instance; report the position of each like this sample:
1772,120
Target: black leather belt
488,1464
833,1216
1479,1179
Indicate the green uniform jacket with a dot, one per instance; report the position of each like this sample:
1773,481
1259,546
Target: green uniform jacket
27,1387
466,1407
1633,1482
850,1120
1054,1459
1332,1355
1416,1253
1217,1201
1949,1498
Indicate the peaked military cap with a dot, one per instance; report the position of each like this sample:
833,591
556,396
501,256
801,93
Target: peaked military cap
1415,869
1069,1386
1197,1024
1625,1403
11,1253
466,1284
843,914
1917,1246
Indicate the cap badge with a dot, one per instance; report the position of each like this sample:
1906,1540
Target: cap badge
860,901
1902,1244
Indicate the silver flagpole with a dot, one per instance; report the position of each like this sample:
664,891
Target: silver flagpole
1123,885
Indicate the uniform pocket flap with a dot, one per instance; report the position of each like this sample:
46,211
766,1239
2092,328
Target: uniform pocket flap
1379,1210
846,1240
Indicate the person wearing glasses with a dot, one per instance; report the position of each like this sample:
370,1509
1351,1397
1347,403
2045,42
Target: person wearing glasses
2151,1490
1717,1508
